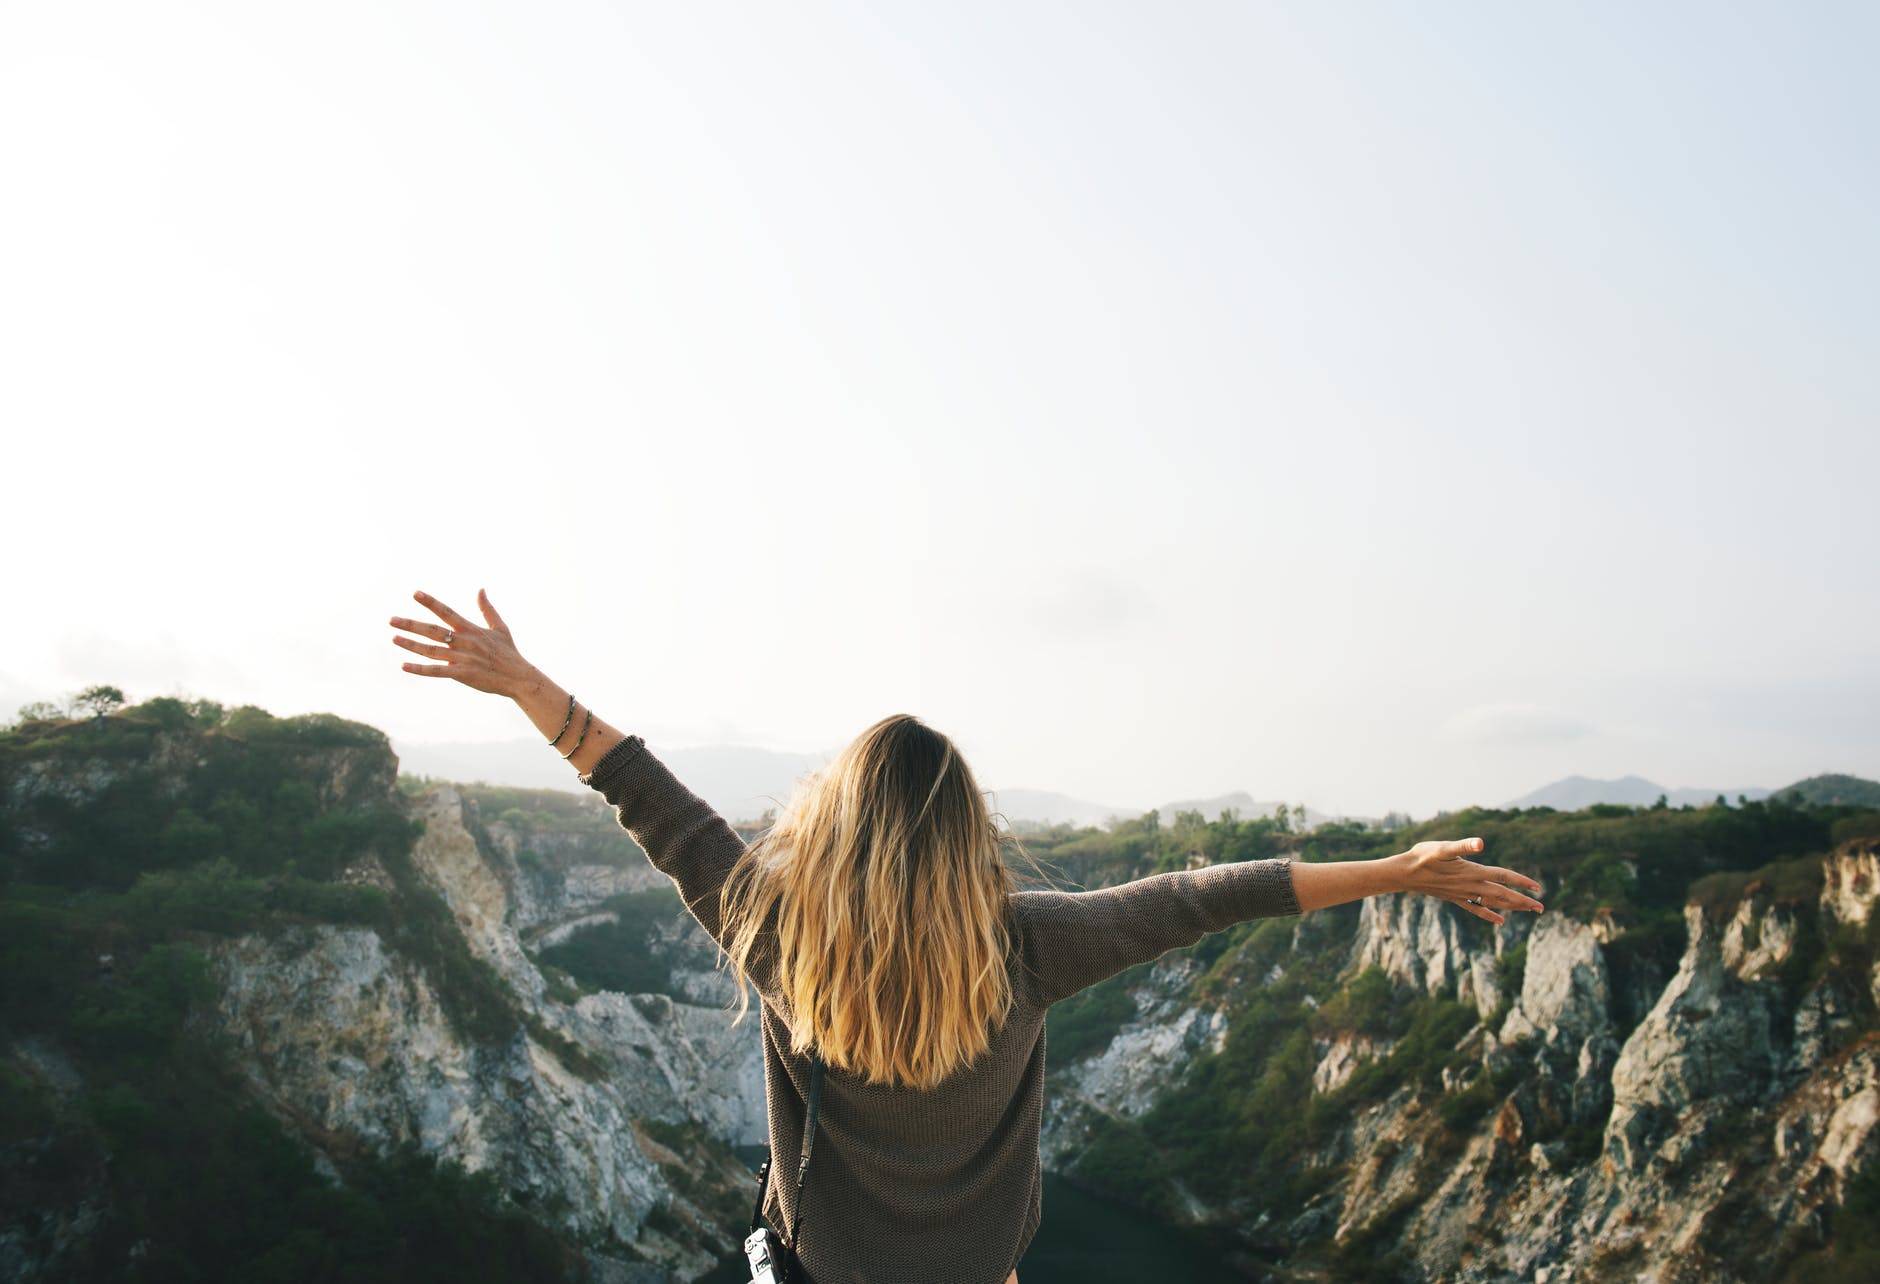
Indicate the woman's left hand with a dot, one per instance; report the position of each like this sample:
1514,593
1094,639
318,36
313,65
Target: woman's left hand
483,657
1441,868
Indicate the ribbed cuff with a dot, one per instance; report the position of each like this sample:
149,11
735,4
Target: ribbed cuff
613,762
1261,888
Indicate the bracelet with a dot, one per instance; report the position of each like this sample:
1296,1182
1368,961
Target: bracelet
583,736
564,726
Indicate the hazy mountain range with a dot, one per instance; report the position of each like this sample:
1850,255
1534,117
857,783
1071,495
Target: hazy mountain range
1575,792
742,781
739,780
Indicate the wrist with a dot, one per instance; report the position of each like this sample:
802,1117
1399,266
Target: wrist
1395,872
532,682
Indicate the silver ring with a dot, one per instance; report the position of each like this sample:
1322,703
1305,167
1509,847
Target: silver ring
1475,900
450,635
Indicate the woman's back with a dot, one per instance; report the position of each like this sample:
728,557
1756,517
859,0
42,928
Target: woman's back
909,1185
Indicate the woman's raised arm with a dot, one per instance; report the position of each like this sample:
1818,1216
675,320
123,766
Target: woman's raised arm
484,657
680,833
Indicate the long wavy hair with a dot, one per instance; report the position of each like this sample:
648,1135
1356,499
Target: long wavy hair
881,896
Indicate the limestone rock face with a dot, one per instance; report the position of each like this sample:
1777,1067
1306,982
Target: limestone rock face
1709,1039
1850,881
346,1036
349,1038
716,1068
1341,1055
1698,1124
1565,998
1428,945
613,1116
1128,1076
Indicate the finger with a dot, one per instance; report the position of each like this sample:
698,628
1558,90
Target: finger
444,613
436,632
1480,911
427,670
489,611
1505,897
1464,846
435,652
1512,879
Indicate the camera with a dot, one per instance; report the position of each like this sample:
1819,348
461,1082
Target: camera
766,1254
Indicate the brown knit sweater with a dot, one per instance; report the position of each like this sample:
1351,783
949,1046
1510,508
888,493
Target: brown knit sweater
913,1187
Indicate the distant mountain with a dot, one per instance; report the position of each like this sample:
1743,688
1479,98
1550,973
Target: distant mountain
741,781
1250,808
1042,807
738,780
1575,792
1849,791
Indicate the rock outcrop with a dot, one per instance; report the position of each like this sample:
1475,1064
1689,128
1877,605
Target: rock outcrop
1712,1140
347,1037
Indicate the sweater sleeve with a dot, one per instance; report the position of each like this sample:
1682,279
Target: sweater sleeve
1075,939
680,833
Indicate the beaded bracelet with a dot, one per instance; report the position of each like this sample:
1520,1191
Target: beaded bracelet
583,736
564,726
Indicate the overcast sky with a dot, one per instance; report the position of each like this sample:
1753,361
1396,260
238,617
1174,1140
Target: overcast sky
1376,406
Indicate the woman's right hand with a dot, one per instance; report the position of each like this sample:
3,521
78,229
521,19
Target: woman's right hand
481,656
1441,868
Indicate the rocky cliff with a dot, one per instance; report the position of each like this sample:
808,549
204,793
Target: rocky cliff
408,1010
1570,1131
349,1038
1669,1076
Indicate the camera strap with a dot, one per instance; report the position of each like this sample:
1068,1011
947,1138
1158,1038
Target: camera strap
802,1168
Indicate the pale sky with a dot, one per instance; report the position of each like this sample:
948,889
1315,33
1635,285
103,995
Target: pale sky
1378,406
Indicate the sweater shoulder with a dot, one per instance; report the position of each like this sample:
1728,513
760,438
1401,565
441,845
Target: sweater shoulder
1032,912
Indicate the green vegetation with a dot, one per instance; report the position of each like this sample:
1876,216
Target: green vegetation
198,1182
1638,963
160,828
1244,1124
1369,1254
1853,1257
1462,1110
1632,862
133,837
1084,1024
1365,1007
251,794
1133,848
1511,968
613,956
558,813
686,1168
1786,882
1832,790
1865,824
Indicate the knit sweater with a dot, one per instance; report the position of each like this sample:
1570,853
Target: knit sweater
908,1186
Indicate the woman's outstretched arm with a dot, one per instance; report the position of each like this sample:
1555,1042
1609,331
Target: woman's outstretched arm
485,658
1075,939
681,834
1071,940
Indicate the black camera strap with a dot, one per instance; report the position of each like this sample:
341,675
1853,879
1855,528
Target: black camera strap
802,1168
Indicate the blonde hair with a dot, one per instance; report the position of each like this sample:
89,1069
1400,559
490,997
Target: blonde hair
881,895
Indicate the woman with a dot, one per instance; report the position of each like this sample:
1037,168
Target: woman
882,930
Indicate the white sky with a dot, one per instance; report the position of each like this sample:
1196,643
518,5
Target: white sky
1376,406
